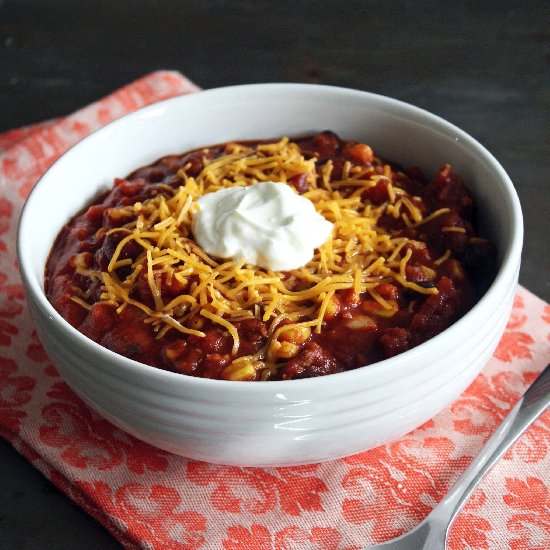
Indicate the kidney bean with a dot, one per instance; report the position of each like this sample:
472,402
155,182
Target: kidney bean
299,182
213,365
95,213
129,188
394,340
132,340
313,360
377,194
447,190
252,336
326,144
131,250
214,341
438,311
100,319
388,291
189,363
194,163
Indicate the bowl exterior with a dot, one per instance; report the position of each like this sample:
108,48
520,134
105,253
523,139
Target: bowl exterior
287,423
274,423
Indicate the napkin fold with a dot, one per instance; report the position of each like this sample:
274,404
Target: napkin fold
148,498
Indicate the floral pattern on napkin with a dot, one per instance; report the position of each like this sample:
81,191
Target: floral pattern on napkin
148,498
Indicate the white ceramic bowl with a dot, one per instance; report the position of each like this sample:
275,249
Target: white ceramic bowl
287,422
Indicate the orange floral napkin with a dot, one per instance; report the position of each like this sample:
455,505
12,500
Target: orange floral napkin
148,498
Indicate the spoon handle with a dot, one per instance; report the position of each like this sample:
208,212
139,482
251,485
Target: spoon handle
533,403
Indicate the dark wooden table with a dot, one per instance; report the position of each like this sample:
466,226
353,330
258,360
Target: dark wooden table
484,66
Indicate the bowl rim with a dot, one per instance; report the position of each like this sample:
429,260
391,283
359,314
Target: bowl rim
508,268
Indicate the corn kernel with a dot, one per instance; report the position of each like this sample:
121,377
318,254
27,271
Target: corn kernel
174,349
361,322
333,308
287,350
196,322
374,308
297,335
429,273
241,370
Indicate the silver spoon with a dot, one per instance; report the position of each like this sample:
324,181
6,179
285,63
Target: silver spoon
432,533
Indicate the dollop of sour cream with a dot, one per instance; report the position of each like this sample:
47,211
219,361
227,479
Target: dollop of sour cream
267,224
